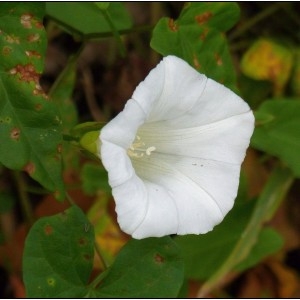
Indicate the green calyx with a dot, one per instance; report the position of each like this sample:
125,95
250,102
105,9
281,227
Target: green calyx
89,141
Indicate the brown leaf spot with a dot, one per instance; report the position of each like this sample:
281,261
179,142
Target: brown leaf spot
82,241
59,148
204,34
218,59
29,168
38,107
15,133
26,73
33,54
172,25
12,39
39,25
26,20
33,38
12,71
6,50
48,229
158,259
203,18
87,257
39,91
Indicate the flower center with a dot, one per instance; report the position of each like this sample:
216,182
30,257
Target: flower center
138,148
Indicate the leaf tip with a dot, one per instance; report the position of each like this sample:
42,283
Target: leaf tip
29,168
172,25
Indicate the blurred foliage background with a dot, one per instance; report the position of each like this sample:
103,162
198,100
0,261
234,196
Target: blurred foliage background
92,66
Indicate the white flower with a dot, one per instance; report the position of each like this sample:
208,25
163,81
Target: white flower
173,155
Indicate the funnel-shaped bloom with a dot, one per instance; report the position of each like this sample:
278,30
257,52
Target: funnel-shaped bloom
173,155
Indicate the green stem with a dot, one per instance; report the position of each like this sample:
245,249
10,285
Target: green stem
70,138
273,194
136,29
270,9
98,279
71,61
23,196
70,200
115,32
98,35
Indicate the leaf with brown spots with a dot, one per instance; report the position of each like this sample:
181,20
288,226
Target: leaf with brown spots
29,140
197,36
148,268
58,256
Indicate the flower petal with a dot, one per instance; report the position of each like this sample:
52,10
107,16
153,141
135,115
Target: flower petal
225,140
170,90
177,93
196,210
115,138
198,132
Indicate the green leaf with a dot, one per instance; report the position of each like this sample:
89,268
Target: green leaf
280,136
254,91
148,268
197,37
85,18
58,256
269,241
94,178
30,129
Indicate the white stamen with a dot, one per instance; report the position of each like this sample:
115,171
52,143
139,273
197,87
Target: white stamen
138,148
150,149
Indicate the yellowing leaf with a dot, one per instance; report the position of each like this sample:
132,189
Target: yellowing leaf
109,237
267,60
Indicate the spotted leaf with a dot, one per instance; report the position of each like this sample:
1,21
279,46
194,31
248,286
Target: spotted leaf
30,125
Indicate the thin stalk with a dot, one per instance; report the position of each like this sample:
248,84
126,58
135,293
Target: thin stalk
136,29
70,138
100,35
115,32
70,200
270,9
98,279
72,60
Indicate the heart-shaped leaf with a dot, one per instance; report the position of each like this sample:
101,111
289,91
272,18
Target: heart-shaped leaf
148,268
58,256
197,37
